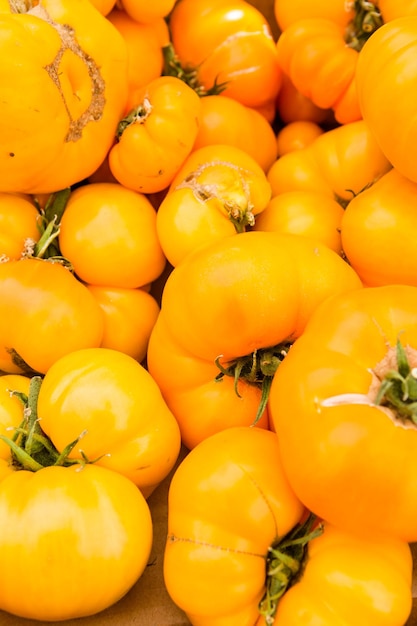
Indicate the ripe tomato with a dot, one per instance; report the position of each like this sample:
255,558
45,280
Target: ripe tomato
143,41
217,192
228,44
257,290
157,135
386,69
287,12
86,532
248,555
344,398
114,400
19,219
45,313
377,231
71,64
297,135
227,121
108,232
129,316
304,213
146,12
293,106
340,163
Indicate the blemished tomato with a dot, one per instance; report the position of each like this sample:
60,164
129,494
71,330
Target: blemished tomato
227,121
156,136
19,219
304,213
218,191
297,135
378,231
45,312
340,163
71,64
344,398
129,316
257,290
108,233
249,554
115,402
87,533
228,44
143,41
387,72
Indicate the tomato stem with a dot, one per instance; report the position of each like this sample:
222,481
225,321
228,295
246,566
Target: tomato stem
367,19
256,369
285,563
189,75
47,246
398,389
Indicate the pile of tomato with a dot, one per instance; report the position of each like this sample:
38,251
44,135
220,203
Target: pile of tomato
207,244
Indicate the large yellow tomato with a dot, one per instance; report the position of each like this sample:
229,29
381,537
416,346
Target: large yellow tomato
63,87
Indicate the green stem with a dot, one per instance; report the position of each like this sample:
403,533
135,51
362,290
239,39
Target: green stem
256,369
367,19
47,246
285,563
189,75
398,389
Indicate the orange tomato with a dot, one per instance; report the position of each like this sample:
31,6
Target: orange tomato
157,135
344,398
225,120
129,316
217,192
288,12
70,63
143,41
229,44
233,302
19,219
144,11
297,135
378,231
45,313
104,6
108,233
304,213
292,105
339,163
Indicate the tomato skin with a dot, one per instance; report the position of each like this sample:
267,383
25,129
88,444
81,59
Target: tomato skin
381,219
108,232
228,501
228,43
18,223
224,120
275,279
293,106
390,53
340,163
286,13
145,12
129,316
297,135
304,213
344,574
98,523
159,129
63,130
321,406
130,431
45,312
143,41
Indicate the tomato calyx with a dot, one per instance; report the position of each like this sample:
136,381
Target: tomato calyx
285,563
189,75
367,19
257,368
49,227
31,449
398,388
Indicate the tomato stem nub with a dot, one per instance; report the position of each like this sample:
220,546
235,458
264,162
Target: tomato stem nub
367,20
398,389
284,564
189,75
